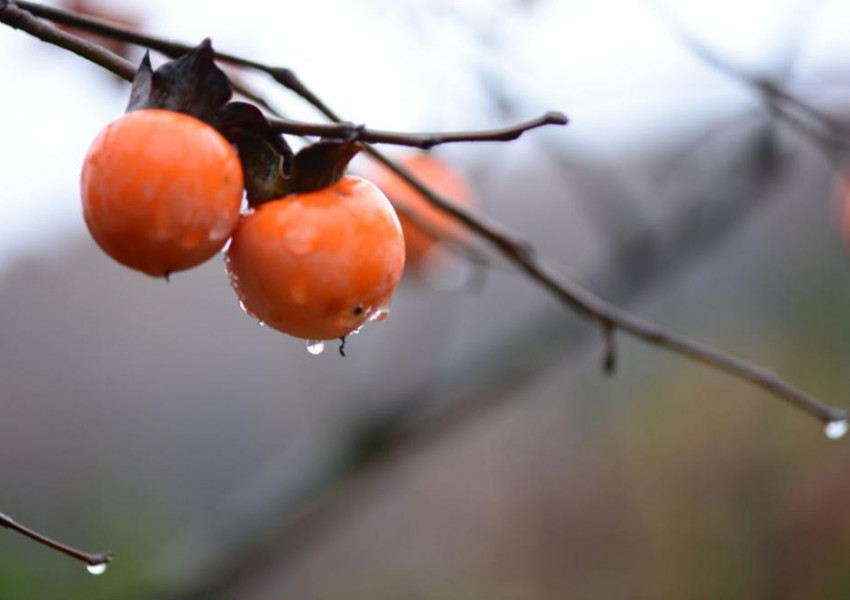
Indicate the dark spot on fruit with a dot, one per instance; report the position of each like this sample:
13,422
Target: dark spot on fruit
358,310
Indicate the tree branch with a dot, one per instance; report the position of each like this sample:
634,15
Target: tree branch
512,246
424,141
522,254
284,76
92,560
17,18
268,533
23,18
832,136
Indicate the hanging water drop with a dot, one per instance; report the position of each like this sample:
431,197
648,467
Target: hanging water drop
98,569
379,315
835,430
315,347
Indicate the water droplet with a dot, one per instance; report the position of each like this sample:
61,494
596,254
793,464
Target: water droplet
220,230
315,347
226,246
379,315
261,323
98,569
835,430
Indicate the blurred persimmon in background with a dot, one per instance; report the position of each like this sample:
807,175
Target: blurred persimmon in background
424,225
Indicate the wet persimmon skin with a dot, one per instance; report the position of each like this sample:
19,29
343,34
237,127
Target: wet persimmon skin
161,191
442,179
320,264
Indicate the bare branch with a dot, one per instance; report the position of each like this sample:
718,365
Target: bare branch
104,28
284,76
522,254
831,135
93,560
424,141
20,19
513,247
17,18
285,524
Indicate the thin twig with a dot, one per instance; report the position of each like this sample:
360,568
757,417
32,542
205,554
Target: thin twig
89,559
126,70
832,136
287,77
282,75
424,141
453,242
17,18
513,247
104,28
288,523
524,255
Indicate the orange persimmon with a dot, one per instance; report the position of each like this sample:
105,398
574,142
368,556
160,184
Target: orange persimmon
161,191
318,265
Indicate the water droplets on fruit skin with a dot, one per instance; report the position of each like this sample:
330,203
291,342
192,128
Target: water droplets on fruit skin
315,347
98,569
380,314
835,430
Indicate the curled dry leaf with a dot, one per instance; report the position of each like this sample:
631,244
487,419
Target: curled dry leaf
271,169
192,84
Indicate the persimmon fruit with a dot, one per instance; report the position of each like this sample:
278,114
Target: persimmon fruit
430,225
161,191
318,265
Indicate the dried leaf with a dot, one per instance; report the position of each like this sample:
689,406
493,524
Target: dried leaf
192,84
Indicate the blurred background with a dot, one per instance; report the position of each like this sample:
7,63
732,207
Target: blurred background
470,445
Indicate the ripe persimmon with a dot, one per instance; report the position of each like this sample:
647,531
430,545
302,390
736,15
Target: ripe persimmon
161,191
430,224
319,264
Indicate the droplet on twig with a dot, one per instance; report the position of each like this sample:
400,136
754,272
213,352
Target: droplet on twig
835,430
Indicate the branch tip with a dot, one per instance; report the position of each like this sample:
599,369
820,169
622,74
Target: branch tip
555,117
517,250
